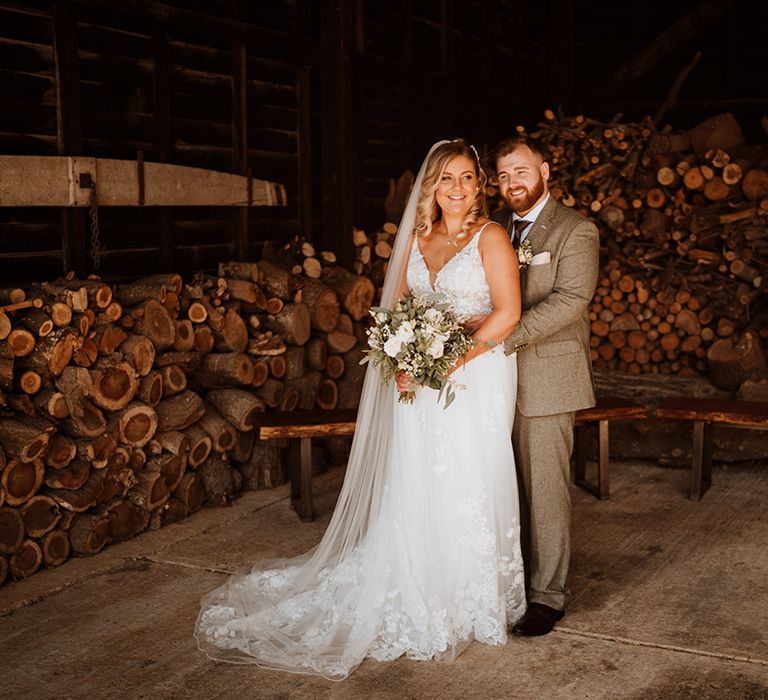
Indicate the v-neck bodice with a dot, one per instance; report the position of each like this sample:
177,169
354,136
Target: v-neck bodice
461,281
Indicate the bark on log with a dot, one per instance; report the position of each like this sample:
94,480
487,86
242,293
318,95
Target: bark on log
27,560
179,411
21,480
242,447
150,388
295,361
223,435
190,492
335,366
270,392
24,442
71,477
732,362
218,370
327,394
55,546
200,445
184,338
11,530
233,335
61,451
150,491
125,519
89,534
307,386
40,514
323,304
276,280
260,372
237,406
139,352
216,477
83,498
174,380
113,383
355,291
137,423
154,322
292,324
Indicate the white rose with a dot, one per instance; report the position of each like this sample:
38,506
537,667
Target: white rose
393,346
381,317
405,332
436,349
432,316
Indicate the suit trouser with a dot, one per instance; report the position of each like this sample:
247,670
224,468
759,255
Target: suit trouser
543,446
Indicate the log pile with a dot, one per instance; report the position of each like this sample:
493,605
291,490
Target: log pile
128,406
683,218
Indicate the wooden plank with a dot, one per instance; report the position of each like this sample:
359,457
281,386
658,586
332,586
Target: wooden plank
240,131
612,409
56,183
304,138
750,414
69,132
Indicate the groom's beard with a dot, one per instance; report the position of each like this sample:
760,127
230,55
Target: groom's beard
524,202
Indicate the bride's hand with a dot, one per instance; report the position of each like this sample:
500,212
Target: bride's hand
403,381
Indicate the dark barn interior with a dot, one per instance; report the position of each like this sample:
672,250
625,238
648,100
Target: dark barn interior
198,200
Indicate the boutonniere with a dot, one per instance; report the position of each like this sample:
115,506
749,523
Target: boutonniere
525,254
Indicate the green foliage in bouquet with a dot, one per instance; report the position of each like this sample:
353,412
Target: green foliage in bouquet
422,337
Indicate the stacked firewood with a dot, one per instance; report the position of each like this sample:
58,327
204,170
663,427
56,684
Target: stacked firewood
684,235
128,406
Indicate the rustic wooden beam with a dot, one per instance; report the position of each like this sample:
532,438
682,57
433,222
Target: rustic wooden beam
68,130
240,131
304,138
338,198
668,41
161,129
55,181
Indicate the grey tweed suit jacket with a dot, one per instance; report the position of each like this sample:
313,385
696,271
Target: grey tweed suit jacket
552,338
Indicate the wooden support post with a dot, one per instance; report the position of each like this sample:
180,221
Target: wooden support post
161,130
304,138
300,469
69,130
338,186
701,462
240,132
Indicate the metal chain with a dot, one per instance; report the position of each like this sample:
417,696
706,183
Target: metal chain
95,242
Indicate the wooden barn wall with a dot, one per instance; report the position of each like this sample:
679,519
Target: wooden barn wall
158,78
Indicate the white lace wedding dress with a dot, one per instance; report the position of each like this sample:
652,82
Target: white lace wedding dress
438,563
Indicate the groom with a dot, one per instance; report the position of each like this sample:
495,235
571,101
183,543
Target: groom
559,250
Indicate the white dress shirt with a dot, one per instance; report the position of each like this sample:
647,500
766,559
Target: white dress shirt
530,216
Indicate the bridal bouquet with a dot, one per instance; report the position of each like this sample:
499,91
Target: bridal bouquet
423,338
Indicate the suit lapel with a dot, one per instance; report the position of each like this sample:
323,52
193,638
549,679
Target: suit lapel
543,225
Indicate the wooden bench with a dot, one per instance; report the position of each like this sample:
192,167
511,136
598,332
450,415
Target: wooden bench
301,426
606,410
705,413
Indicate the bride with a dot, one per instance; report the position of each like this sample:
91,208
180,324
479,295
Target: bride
422,554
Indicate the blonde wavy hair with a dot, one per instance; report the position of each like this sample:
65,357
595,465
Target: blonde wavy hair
427,210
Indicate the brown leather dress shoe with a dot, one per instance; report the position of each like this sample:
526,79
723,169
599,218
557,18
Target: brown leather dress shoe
539,619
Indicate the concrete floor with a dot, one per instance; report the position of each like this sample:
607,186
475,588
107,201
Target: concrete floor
669,601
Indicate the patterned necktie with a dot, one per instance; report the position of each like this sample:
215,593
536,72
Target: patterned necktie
519,226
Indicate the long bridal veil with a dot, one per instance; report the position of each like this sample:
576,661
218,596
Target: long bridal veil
270,613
